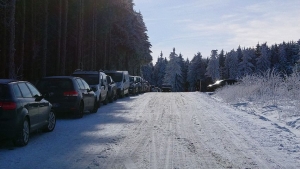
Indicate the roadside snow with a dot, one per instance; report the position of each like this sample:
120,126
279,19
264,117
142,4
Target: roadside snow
162,130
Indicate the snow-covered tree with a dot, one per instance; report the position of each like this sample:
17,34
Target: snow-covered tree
231,65
173,74
281,66
147,72
212,69
196,71
222,64
263,62
181,82
159,70
245,66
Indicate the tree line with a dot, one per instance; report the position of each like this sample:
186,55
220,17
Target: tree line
55,37
185,75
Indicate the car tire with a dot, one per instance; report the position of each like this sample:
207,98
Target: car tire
116,96
23,134
51,122
111,99
99,102
79,113
106,99
95,109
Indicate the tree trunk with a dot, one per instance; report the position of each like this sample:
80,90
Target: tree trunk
59,38
45,40
3,46
11,59
80,34
64,38
33,40
94,37
23,39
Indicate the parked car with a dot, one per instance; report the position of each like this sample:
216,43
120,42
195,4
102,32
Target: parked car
133,88
139,84
98,83
166,88
68,94
122,80
112,89
22,111
220,83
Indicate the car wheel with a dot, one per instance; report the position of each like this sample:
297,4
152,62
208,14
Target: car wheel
51,122
106,99
95,106
122,94
116,96
80,110
99,102
112,97
23,134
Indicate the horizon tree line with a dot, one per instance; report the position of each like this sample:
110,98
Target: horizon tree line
185,75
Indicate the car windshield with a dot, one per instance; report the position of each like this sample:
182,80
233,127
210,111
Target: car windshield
117,77
54,84
91,79
4,91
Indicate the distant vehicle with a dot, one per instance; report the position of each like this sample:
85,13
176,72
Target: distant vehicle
133,88
97,82
220,83
122,80
166,88
112,89
22,111
68,94
139,83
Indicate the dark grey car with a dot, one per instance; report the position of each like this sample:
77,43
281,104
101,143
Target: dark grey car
22,111
68,94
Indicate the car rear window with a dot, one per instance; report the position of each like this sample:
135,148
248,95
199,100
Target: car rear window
55,84
91,79
4,91
117,77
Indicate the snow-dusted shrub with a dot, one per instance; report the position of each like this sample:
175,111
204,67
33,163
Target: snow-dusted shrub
268,87
266,90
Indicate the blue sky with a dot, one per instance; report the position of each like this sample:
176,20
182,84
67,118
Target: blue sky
193,26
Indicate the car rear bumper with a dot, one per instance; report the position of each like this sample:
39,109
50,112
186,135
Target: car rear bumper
8,129
67,107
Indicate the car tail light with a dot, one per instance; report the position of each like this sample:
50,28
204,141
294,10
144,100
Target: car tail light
71,93
8,105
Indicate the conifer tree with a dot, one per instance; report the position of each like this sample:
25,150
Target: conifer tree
245,66
263,61
212,69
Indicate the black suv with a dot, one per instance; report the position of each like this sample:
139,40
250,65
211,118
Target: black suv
23,110
68,94
166,88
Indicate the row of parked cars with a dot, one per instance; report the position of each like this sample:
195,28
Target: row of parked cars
25,107
138,85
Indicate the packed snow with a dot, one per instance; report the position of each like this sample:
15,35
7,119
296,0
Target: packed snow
164,130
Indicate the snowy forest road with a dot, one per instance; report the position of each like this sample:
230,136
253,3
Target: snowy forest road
159,131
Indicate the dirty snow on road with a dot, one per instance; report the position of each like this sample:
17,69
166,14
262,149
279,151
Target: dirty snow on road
160,130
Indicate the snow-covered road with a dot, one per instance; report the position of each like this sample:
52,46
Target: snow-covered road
160,130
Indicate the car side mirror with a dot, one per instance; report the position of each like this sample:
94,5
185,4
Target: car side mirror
38,98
